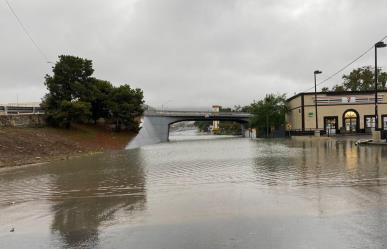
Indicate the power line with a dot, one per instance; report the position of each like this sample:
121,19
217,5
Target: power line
26,31
346,66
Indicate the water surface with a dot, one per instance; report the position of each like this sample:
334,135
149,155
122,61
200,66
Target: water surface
207,193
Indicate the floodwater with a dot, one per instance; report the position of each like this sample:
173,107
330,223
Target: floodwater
207,193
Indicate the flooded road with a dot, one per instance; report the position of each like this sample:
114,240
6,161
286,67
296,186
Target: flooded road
208,193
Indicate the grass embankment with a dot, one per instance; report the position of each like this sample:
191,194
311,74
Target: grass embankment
21,146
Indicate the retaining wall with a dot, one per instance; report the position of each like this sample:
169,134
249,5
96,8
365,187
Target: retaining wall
22,120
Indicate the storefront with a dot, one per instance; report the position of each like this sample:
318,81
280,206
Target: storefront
344,112
331,124
351,121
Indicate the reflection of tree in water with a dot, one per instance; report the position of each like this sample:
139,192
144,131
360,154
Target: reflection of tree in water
90,191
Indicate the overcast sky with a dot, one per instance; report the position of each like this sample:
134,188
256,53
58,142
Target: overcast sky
190,52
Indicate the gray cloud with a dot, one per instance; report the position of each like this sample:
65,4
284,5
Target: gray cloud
190,53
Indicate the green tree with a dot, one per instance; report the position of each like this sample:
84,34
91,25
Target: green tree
75,96
382,80
203,125
361,79
68,88
237,108
76,111
338,88
125,105
269,113
230,128
99,99
246,108
225,109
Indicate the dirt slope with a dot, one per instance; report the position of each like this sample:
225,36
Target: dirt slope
20,146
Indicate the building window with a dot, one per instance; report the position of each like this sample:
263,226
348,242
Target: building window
369,122
350,114
330,124
350,119
384,120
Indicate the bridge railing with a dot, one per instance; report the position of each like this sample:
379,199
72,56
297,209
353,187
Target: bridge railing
193,113
14,110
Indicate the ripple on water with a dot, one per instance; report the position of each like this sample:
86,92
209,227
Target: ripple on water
284,163
223,186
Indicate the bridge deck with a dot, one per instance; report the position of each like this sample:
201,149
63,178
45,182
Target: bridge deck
197,114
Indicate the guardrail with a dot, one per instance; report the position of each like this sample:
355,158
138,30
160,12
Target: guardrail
195,113
15,110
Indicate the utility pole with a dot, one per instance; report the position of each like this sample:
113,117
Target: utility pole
315,95
380,44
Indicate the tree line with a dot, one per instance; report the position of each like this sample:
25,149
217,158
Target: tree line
268,116
360,79
75,96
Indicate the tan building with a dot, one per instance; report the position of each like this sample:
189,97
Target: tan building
337,112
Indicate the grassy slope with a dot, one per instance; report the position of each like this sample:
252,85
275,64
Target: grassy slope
20,146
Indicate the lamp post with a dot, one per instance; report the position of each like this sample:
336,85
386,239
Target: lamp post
315,95
380,44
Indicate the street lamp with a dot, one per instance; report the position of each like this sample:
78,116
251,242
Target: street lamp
315,95
380,44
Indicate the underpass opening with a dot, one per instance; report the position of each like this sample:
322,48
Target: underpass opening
205,128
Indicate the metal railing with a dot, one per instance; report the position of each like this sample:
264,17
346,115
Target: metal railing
195,113
17,110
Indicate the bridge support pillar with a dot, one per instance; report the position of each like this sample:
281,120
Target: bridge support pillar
154,130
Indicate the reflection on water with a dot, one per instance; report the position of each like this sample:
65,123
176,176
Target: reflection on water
194,134
85,194
90,193
327,162
211,193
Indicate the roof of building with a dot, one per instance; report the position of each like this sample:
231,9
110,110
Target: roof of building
334,93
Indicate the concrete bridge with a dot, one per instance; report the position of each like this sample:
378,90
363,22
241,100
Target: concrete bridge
155,127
